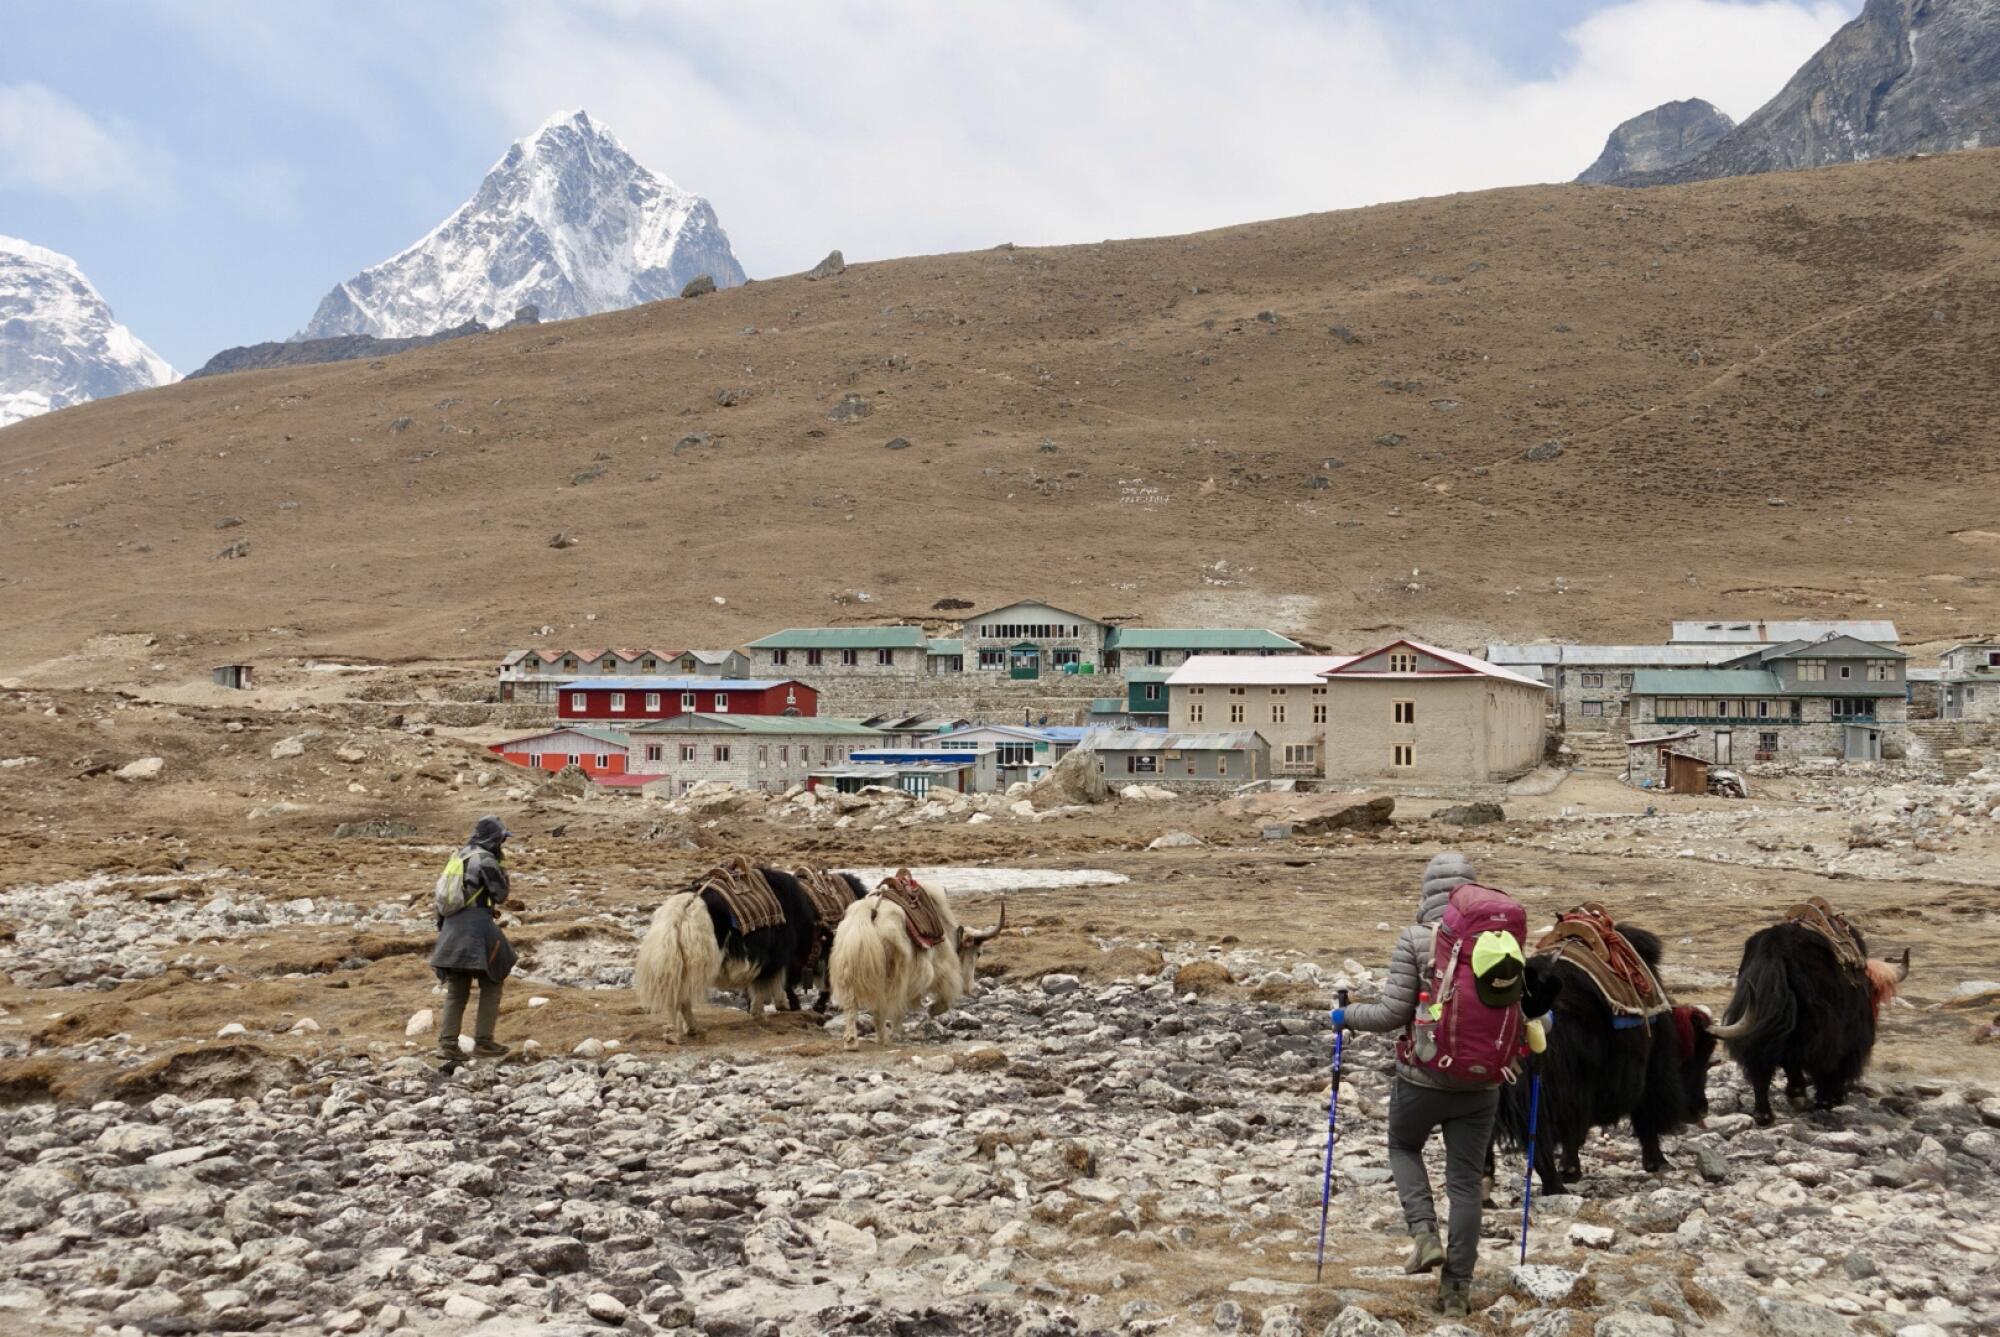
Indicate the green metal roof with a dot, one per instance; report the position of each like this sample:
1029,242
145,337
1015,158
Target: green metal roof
818,725
1197,638
945,647
1706,682
1148,674
1107,705
843,638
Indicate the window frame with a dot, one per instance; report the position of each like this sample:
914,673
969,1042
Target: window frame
1403,756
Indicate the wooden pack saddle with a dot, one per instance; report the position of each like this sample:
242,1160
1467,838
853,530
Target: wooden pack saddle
1814,913
828,893
920,912
1588,939
741,887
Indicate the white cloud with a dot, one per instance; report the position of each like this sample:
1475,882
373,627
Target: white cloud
49,143
893,127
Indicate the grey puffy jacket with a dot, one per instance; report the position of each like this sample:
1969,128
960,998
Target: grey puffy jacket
1410,964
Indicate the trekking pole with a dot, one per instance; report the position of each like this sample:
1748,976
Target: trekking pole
1332,1110
1528,1180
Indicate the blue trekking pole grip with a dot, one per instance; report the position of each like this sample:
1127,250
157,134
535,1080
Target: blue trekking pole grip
1332,1111
1528,1180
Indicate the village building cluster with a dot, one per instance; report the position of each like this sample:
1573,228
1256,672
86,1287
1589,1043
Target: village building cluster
1215,708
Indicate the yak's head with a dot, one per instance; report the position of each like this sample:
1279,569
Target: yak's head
1885,979
968,943
1695,1034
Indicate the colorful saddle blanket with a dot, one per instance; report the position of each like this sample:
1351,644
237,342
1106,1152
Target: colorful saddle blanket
1588,939
920,912
744,893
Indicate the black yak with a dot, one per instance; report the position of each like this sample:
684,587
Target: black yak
1806,1001
694,944
1601,1067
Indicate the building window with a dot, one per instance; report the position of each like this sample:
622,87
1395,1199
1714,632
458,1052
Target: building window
1195,712
1141,763
1881,670
813,658
781,657
1404,755
1402,661
687,751
1767,742
655,752
1014,754
1155,658
688,702
1847,670
1301,754
763,754
849,658
722,752
1319,712
993,659
577,701
1280,691
1152,692
1592,680
1592,709
886,658
1406,711
652,701
722,703
570,665
618,700
1197,691
1237,691
609,663
1812,670
535,760
785,754
1625,681
1235,713
1277,712
575,760
649,663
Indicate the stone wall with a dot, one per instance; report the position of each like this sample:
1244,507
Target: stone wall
1065,699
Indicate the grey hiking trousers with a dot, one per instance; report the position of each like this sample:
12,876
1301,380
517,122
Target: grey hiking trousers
1466,1118
457,991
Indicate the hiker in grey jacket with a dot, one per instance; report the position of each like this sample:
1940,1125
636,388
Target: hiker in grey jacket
470,946
1421,1101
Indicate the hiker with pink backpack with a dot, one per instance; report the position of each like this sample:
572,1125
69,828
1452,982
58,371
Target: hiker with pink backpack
1456,990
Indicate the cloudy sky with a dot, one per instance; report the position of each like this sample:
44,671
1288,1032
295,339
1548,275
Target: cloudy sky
216,167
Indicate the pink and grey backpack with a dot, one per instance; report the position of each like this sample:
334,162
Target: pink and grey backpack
1455,1033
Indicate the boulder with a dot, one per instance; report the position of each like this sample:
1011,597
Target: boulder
1176,840
834,265
1075,779
1470,814
145,768
699,286
1355,815
1202,977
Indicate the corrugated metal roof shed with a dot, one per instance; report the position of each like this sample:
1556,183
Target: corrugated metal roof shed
1706,682
760,724
843,638
1197,638
1156,740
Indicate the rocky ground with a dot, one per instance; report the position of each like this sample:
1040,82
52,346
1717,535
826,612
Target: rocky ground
217,1111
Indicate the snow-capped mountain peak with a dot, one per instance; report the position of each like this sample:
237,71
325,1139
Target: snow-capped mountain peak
567,221
59,343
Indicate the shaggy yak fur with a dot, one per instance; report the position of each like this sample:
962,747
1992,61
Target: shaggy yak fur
1797,1008
877,967
818,975
693,946
1595,1075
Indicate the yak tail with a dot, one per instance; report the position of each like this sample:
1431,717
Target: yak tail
678,957
863,968
1762,1008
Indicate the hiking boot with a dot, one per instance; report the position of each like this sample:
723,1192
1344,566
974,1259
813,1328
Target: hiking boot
1427,1256
1454,1298
488,1049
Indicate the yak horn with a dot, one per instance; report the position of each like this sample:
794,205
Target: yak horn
990,934
1903,967
1732,1030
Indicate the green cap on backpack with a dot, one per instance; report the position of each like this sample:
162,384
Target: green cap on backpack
1499,970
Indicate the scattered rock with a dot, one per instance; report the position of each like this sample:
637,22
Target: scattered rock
1059,984
1548,450
728,397
420,1023
376,828
1358,815
562,540
896,443
1470,814
834,265
145,768
240,548
605,1308
699,286
851,408
1176,840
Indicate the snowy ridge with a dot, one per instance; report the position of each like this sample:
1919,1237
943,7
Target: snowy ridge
566,221
59,343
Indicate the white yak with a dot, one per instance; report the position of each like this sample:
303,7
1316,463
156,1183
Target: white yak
878,966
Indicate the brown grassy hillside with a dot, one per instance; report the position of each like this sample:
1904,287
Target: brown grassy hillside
1775,394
